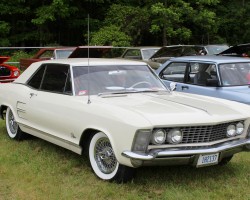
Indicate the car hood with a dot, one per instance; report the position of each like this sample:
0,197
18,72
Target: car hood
168,108
4,59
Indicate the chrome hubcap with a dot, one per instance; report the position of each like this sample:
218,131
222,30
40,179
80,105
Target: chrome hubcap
12,123
104,156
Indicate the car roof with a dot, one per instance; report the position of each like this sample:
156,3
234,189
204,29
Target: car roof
144,47
76,62
215,59
94,61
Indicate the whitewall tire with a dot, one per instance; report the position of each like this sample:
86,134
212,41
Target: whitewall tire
13,130
103,161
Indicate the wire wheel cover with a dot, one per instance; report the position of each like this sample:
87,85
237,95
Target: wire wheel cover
12,123
104,156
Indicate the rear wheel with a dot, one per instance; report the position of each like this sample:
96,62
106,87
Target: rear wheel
12,127
103,161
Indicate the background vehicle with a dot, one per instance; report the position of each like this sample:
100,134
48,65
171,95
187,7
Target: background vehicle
8,73
168,52
240,50
46,54
139,53
93,52
217,76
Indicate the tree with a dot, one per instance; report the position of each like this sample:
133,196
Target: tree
234,23
131,21
4,31
178,20
168,18
111,36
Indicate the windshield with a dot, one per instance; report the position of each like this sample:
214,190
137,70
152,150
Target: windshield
114,79
216,49
235,74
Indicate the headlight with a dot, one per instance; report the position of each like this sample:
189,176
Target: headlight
231,130
159,136
141,141
175,136
239,128
16,73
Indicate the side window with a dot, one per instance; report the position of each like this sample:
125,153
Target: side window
35,81
174,72
55,78
200,73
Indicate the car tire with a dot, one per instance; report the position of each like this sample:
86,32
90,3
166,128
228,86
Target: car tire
104,163
13,129
225,161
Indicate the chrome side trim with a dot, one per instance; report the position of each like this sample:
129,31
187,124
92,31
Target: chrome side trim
244,144
51,138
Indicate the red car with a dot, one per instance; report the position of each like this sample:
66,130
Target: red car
46,54
8,73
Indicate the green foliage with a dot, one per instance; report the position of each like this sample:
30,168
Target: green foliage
4,31
111,36
133,21
144,22
58,8
170,19
15,57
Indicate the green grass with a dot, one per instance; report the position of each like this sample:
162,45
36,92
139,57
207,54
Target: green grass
35,169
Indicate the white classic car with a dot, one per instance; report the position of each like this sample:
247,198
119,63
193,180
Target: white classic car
120,114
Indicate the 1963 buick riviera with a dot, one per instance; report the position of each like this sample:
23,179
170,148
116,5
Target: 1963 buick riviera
120,114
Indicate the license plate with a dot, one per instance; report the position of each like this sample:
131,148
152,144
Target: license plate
209,159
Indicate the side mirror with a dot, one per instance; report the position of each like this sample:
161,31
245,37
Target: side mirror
172,86
212,82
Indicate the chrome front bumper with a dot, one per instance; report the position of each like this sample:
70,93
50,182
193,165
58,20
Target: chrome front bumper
186,155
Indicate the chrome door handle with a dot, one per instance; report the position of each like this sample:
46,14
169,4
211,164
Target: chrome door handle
32,94
184,87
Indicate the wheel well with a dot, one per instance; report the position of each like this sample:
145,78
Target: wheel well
86,135
2,109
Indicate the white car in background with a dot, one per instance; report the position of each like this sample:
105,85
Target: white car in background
120,114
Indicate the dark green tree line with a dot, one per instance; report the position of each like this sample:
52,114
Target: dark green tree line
123,23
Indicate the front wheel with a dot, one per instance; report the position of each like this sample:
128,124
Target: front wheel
103,161
12,127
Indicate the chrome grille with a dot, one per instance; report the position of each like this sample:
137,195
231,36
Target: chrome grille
200,134
4,71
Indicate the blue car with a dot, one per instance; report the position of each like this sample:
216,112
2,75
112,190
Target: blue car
216,76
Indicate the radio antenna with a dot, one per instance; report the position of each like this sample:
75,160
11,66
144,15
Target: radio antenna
88,66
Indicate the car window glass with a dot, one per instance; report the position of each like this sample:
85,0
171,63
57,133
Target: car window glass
133,54
55,78
174,72
147,53
200,73
36,79
108,79
234,74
